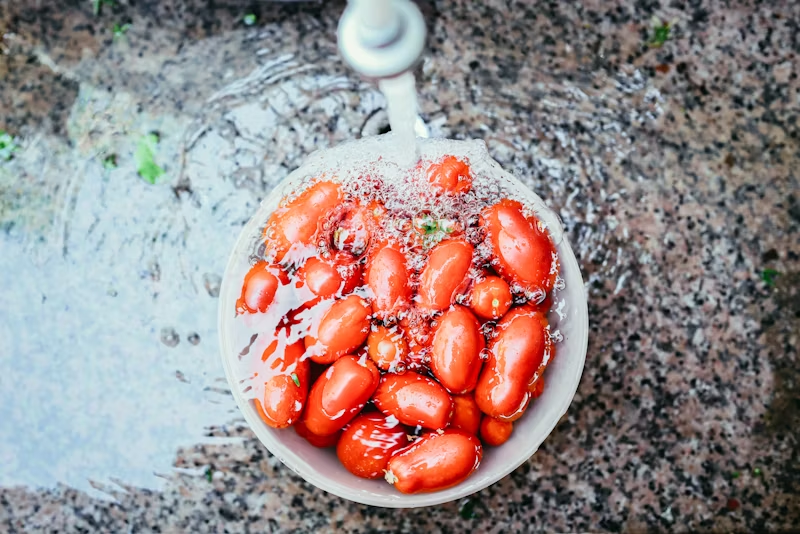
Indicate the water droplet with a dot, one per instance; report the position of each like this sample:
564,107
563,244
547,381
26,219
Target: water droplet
212,283
169,337
559,284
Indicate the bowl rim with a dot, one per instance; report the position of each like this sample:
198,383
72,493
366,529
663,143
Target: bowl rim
568,266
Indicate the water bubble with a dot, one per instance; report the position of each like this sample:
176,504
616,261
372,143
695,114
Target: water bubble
536,296
559,284
556,336
169,337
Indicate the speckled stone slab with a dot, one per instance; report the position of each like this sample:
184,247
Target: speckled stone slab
671,156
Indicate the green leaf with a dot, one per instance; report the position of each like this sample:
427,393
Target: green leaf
7,146
735,474
429,226
119,31
757,471
145,158
295,379
110,162
660,35
768,276
249,19
209,473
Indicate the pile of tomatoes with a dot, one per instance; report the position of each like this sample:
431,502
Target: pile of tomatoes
407,344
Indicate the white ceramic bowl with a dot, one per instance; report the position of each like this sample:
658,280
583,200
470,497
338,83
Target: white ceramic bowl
320,467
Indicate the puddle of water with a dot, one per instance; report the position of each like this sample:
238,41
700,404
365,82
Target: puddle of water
109,361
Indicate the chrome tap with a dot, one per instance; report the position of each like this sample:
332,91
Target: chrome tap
381,38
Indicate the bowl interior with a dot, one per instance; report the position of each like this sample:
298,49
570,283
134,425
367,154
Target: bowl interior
568,317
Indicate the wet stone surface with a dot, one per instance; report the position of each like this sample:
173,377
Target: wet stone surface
672,164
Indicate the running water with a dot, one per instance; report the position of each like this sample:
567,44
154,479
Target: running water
401,101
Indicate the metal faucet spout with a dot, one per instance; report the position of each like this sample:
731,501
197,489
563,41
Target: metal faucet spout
381,38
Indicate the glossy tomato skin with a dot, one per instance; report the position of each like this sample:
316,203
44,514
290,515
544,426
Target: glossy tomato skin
435,462
418,358
354,231
537,387
522,253
417,333
339,394
387,276
332,276
322,442
414,400
466,414
387,347
342,329
456,351
416,328
368,442
444,274
450,175
296,224
495,432
516,359
260,285
490,298
284,399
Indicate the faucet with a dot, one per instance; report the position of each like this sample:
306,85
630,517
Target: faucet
381,38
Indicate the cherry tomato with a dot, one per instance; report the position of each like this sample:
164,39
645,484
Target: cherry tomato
516,359
368,442
466,414
386,347
456,350
537,387
450,175
296,224
435,462
444,274
416,328
354,230
546,304
338,274
342,329
523,254
491,298
285,377
414,400
418,358
495,432
339,394
417,332
323,442
260,285
388,279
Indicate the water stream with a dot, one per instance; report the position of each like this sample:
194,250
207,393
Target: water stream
402,108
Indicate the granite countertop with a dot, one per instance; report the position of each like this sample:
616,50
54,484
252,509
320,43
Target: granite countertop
673,166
